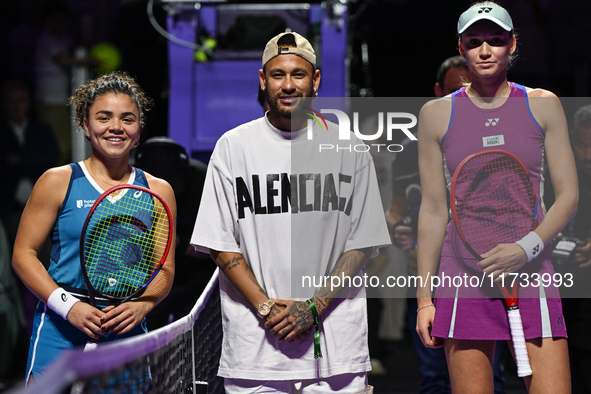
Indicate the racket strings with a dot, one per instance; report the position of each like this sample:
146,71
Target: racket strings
125,241
494,201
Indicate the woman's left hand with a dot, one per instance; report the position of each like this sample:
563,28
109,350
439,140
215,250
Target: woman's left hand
503,260
122,318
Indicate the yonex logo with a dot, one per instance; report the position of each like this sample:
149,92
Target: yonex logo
64,297
536,250
492,122
485,10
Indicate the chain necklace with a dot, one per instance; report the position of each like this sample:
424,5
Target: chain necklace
123,180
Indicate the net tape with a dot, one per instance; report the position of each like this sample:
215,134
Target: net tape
182,357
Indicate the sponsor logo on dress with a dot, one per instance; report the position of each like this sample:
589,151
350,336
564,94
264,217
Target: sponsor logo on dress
84,203
493,140
492,122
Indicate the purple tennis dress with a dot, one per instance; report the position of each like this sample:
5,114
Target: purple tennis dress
476,309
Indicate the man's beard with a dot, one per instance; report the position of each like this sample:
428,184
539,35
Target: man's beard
292,111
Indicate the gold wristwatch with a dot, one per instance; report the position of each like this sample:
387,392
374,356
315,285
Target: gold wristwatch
265,308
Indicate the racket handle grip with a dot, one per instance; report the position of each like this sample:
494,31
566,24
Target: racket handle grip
518,337
90,345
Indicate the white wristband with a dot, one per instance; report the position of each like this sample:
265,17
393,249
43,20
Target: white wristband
60,301
532,245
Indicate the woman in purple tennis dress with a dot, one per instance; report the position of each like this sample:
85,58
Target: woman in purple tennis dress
492,113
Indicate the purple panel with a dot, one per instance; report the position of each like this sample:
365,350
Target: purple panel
225,97
208,19
208,99
180,125
334,69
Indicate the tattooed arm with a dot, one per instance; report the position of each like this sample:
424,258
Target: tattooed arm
297,318
240,274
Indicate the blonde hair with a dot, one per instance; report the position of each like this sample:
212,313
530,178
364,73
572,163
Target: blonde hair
512,56
117,82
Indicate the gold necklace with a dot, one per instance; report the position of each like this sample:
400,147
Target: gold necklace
102,180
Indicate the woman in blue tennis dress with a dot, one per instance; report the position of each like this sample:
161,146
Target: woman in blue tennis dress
111,110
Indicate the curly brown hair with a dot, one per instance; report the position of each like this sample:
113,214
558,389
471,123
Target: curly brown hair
117,82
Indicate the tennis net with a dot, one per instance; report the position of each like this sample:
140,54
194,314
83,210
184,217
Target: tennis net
181,357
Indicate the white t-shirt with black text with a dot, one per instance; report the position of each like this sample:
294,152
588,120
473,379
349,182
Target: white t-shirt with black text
291,211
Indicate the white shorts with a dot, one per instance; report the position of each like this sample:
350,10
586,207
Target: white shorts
346,384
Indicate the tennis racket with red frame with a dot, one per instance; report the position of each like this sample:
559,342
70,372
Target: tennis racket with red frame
124,243
493,201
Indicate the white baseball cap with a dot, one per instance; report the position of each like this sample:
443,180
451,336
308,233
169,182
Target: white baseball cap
303,48
490,12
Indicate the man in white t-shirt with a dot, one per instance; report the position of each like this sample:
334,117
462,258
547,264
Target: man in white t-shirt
277,215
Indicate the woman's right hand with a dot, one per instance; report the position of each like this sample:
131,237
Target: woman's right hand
87,319
425,318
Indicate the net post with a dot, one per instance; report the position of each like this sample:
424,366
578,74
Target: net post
194,380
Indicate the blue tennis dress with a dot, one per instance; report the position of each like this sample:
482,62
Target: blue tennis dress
51,333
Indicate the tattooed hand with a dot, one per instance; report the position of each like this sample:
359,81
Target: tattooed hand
275,310
290,320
